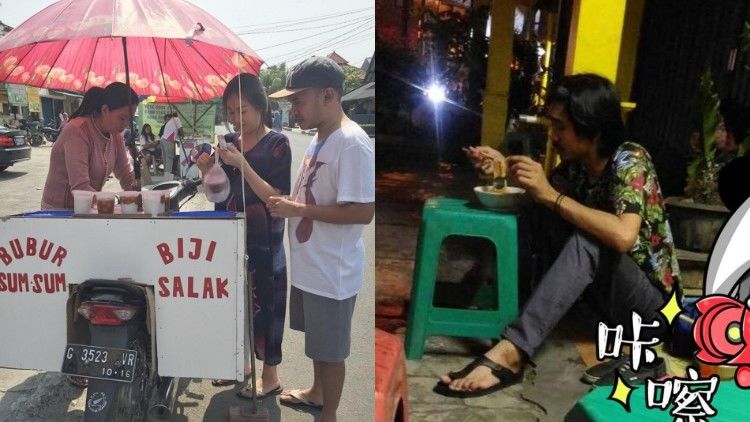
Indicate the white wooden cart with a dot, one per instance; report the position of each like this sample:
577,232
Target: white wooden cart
192,262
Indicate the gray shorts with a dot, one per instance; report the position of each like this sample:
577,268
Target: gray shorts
326,322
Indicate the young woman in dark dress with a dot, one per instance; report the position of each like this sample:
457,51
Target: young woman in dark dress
266,158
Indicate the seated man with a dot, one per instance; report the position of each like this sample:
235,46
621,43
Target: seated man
620,251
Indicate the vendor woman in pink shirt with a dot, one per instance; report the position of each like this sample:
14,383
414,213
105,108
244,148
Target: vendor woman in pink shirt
91,147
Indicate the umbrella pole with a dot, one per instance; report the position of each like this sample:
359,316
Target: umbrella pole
136,163
252,413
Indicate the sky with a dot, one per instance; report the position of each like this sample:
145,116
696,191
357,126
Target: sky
279,31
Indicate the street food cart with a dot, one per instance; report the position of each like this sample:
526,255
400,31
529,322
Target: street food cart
190,263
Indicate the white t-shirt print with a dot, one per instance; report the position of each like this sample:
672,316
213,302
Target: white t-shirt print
171,129
327,259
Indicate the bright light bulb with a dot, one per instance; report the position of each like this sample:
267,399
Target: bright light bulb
436,93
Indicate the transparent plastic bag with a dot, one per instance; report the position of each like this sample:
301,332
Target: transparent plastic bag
216,184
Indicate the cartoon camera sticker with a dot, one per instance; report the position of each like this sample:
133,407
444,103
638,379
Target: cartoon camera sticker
722,331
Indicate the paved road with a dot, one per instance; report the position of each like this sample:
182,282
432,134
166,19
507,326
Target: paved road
35,396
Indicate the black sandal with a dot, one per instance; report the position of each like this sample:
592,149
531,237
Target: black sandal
505,376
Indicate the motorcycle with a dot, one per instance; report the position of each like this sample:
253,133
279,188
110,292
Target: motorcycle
32,132
50,133
115,348
180,191
118,358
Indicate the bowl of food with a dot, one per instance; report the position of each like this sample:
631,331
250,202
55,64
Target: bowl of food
508,198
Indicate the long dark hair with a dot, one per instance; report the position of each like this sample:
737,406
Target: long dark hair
114,96
252,91
150,134
593,106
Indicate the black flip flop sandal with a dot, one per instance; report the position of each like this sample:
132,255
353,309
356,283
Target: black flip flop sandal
241,393
296,400
505,376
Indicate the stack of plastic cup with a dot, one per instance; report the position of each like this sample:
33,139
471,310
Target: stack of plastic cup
152,202
82,201
105,202
129,202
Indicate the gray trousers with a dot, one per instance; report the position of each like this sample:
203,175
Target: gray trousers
167,154
612,282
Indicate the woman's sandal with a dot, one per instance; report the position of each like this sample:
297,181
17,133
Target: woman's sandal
294,399
247,393
505,376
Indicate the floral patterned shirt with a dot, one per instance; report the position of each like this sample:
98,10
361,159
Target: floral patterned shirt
629,185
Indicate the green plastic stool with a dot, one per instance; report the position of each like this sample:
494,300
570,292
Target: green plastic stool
730,401
443,217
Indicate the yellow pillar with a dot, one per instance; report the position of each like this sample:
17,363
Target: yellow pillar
495,106
595,37
629,48
603,39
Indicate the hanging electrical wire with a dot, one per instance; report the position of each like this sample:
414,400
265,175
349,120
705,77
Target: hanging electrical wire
364,35
309,28
318,34
294,22
365,27
310,50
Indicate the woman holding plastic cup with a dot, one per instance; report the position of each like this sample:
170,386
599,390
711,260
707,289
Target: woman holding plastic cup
91,147
265,159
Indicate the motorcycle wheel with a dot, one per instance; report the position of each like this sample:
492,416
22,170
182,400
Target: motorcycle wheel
37,140
133,398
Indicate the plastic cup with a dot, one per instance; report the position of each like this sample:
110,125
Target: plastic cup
151,202
165,200
82,201
105,202
129,202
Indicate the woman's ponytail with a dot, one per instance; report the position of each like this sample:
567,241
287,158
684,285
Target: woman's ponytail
114,96
91,104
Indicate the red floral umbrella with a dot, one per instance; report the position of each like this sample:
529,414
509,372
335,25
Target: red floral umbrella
168,48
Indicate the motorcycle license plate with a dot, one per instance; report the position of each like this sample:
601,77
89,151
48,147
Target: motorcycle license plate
99,362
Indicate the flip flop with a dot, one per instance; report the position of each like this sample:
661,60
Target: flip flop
241,393
296,400
505,376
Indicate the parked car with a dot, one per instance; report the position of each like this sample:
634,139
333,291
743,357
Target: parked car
14,147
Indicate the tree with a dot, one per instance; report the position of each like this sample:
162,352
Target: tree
273,78
352,78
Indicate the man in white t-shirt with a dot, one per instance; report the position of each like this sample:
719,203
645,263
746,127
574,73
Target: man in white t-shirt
331,202
172,131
